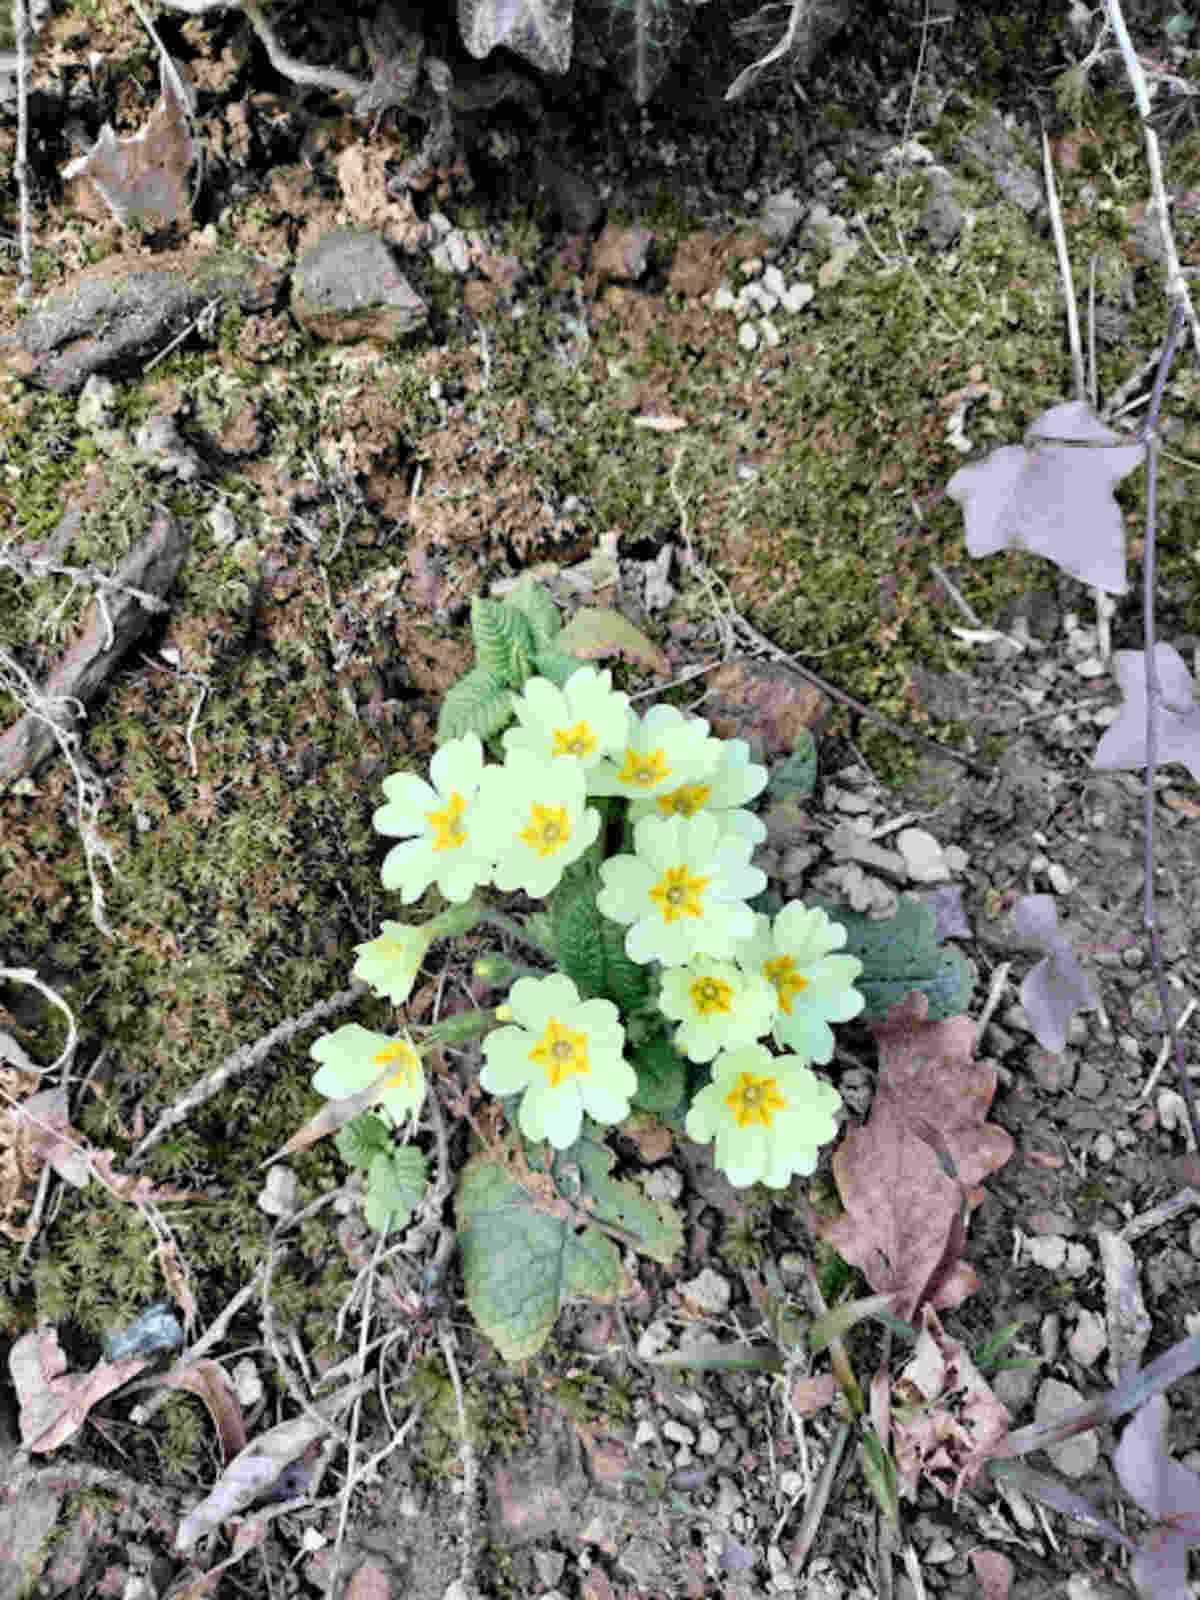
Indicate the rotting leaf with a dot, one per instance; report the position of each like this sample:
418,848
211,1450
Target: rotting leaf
944,1414
1058,986
254,1470
904,1212
1177,714
597,632
1053,499
146,179
539,30
54,1402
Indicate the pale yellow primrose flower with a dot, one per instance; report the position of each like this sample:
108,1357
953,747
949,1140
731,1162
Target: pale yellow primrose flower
717,1006
585,720
442,815
663,750
813,987
390,963
733,781
534,821
684,892
768,1114
566,1055
352,1057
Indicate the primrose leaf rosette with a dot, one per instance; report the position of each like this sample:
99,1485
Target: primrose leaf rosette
717,1006
769,1116
390,963
733,781
813,986
536,821
566,1053
585,720
352,1057
442,815
684,891
663,750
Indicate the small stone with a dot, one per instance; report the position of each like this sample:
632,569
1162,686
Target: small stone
1090,667
347,286
796,297
922,855
678,1432
247,1384
708,1292
773,281
1077,1456
723,298
709,1442
654,1340
1049,1252
1060,880
96,401
1089,1338
748,336
1104,1148
1089,1084
1079,1261
278,1198
770,333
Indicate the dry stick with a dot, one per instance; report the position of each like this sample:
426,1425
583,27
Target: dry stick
243,1058
1176,284
21,164
1153,701
1103,636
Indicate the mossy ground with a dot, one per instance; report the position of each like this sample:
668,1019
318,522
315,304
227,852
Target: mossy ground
382,490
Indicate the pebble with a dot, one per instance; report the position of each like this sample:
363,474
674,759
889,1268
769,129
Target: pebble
708,1292
1077,1456
1089,1338
1104,1148
748,336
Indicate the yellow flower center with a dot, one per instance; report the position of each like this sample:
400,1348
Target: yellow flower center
788,982
576,741
755,1100
547,829
562,1053
677,894
712,994
405,1058
644,768
685,801
448,830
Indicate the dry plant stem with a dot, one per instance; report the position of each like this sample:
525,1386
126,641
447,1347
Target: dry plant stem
21,164
470,1465
242,1059
299,71
819,1498
364,1339
1103,640
1176,284
1153,701
1064,268
28,976
776,654
272,1337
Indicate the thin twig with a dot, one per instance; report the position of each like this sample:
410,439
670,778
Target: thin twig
21,164
470,1466
1153,701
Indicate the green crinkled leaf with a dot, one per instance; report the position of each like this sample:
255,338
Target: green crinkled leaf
626,982
901,954
556,665
396,1183
661,1076
521,1265
522,663
360,1141
591,948
656,1225
535,604
796,777
579,937
477,703
498,631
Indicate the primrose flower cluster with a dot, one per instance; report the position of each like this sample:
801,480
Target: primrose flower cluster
728,978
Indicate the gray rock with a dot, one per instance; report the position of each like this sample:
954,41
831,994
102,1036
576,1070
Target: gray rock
991,146
942,216
113,315
348,287
1077,1456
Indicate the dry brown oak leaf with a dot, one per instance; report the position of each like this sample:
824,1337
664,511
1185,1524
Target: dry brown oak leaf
909,1175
